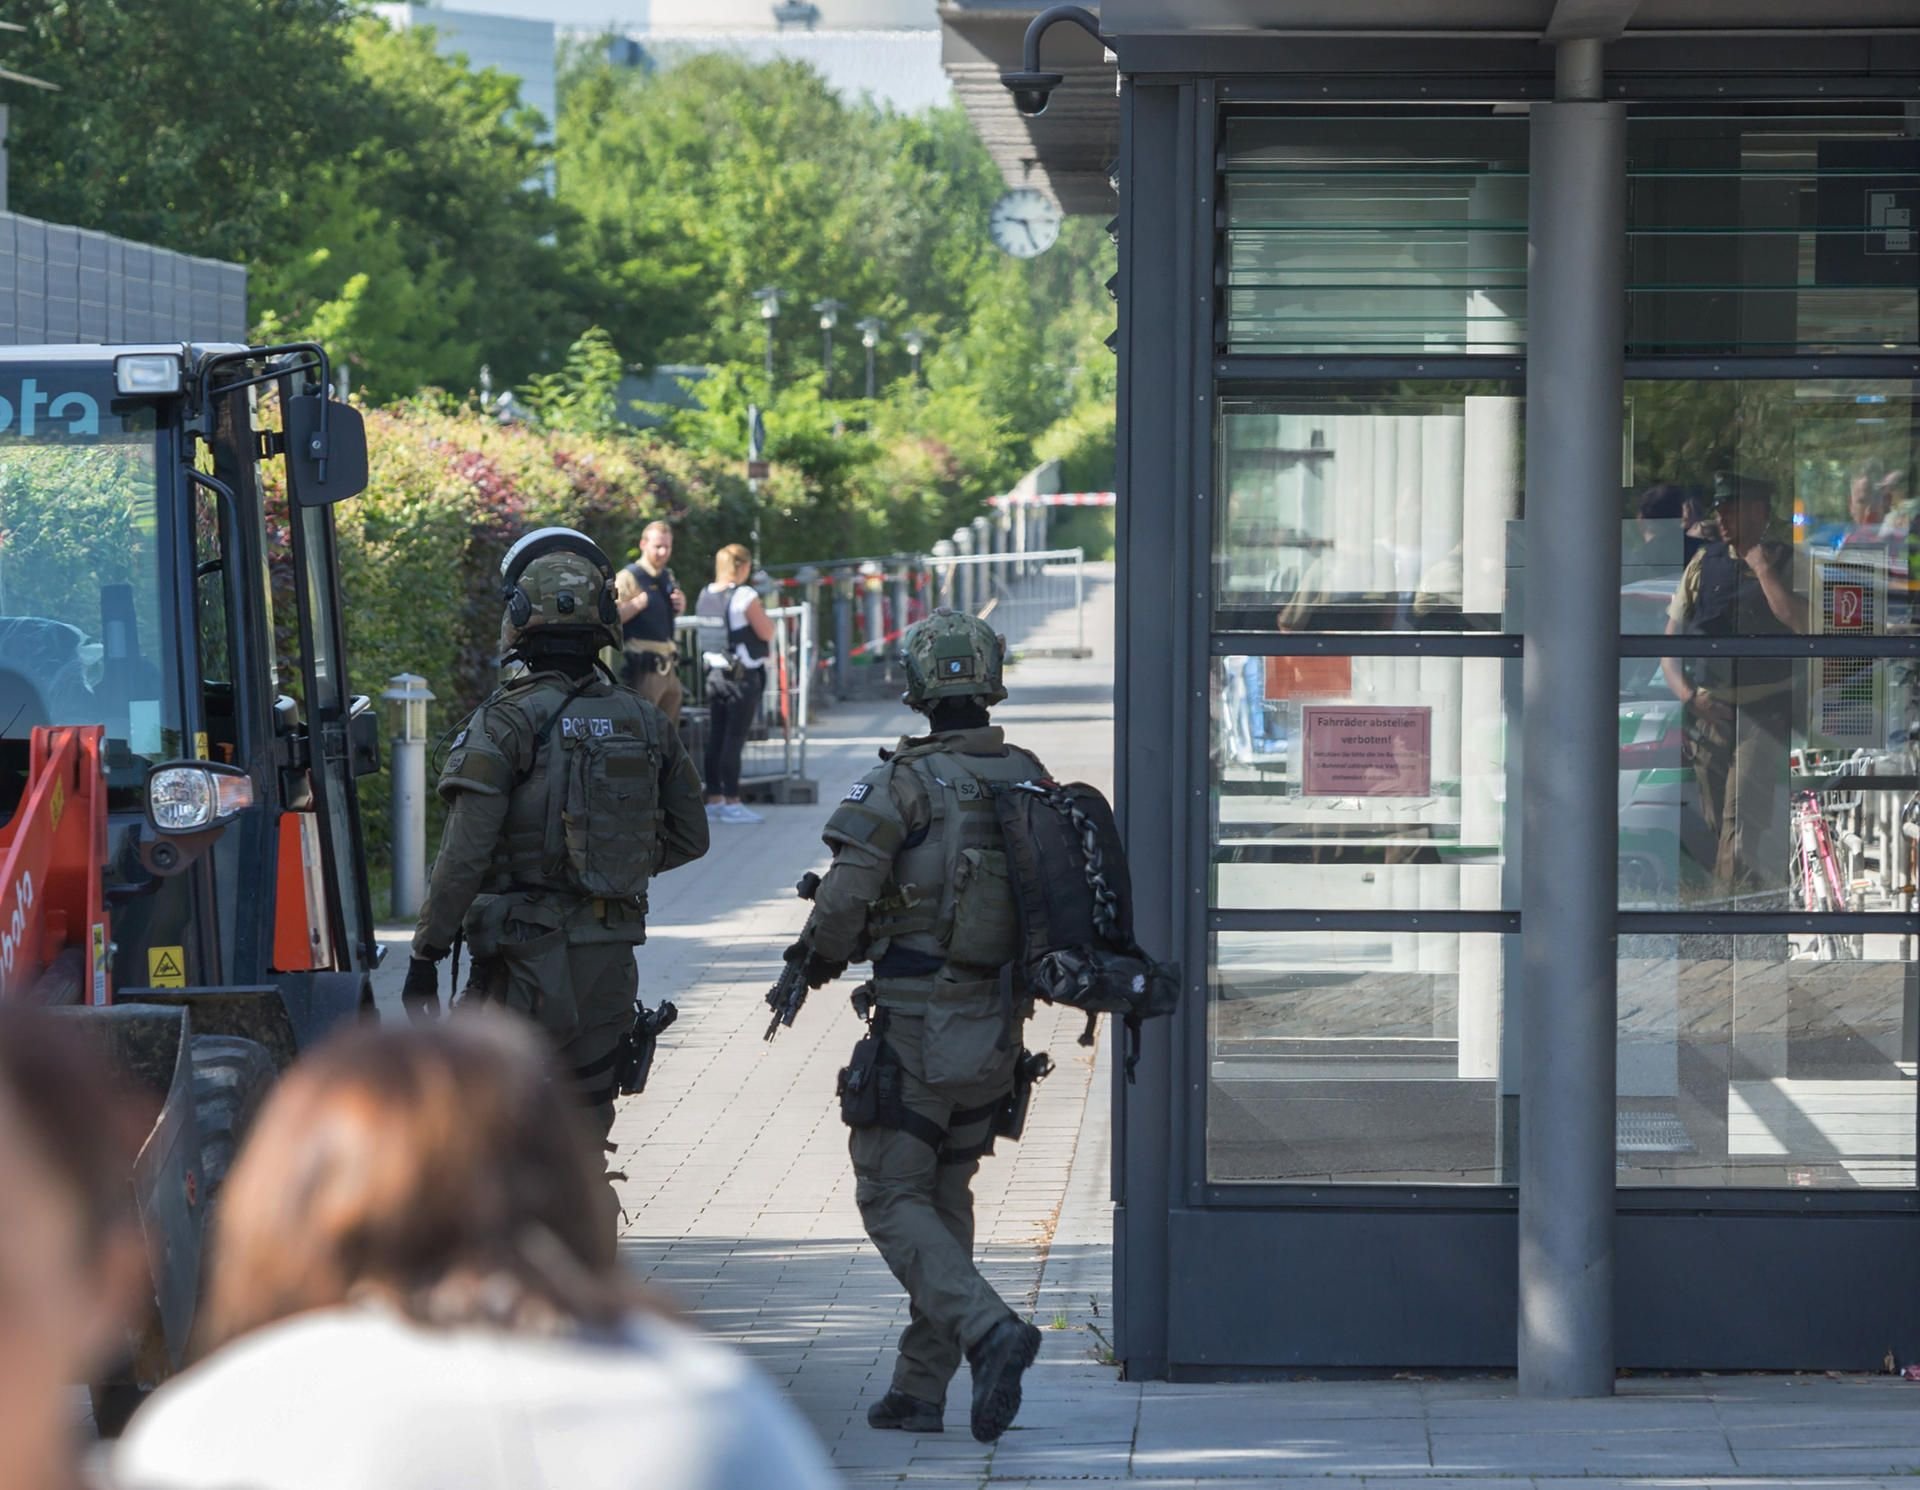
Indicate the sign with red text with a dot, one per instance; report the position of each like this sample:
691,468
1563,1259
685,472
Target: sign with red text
1366,751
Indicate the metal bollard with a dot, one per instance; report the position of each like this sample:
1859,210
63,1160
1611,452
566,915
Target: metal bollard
943,573
407,823
983,574
873,585
843,634
902,593
963,574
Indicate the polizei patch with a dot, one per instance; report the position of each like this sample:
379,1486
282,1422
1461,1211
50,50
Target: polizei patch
858,792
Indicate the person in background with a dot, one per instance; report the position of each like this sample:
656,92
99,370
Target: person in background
412,1291
1738,712
648,600
71,1259
735,635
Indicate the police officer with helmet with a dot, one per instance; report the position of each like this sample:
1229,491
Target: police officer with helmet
566,793
919,886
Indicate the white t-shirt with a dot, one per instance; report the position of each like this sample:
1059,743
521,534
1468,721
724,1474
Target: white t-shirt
361,1399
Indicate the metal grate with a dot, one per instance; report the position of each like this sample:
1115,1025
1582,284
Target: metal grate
1650,1133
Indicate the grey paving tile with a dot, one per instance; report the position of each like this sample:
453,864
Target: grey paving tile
1626,1452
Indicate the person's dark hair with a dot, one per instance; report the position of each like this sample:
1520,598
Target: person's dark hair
56,1080
445,1171
1661,502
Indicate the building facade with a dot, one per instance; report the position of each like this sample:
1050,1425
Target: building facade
1518,444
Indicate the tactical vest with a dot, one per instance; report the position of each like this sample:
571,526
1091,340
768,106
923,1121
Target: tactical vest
584,818
950,895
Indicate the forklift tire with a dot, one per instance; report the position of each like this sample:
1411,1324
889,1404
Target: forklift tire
230,1077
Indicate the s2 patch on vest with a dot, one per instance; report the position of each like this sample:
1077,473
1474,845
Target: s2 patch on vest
858,792
966,789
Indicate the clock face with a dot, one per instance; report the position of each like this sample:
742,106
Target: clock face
1024,222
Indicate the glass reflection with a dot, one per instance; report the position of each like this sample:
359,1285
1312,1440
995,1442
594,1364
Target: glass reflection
1356,1057
1824,472
1307,811
1744,1062
1349,509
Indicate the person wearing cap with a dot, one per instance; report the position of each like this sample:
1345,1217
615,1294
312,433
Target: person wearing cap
1739,712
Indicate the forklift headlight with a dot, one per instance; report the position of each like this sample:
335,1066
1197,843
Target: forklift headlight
188,798
146,374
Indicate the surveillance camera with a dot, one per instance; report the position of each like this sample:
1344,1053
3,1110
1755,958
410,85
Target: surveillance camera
1031,90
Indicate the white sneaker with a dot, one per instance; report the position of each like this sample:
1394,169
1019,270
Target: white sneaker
714,810
736,812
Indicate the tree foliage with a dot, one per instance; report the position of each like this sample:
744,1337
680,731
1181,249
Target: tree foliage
409,214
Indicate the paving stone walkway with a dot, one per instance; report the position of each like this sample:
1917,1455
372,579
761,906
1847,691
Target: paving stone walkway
740,1213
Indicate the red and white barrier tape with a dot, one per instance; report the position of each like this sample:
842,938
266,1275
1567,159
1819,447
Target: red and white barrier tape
1056,499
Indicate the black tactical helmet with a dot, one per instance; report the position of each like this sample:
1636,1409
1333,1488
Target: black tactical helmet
952,655
557,580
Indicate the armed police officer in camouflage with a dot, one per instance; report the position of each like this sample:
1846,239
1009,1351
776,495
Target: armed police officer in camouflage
919,886
565,793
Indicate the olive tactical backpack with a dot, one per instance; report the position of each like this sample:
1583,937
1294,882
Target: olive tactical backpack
1075,899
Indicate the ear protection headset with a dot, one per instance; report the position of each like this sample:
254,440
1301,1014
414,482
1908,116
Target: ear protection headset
545,541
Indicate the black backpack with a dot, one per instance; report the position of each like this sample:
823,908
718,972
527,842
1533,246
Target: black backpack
1075,898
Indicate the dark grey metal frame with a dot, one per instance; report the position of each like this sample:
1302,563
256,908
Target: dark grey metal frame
1199,1325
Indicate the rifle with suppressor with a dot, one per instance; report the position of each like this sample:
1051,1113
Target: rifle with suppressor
789,990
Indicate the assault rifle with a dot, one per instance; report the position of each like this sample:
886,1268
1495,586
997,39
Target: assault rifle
789,990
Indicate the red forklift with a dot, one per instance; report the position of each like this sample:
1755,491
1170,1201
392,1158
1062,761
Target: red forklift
181,865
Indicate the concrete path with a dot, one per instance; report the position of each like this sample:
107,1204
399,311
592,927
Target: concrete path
740,1213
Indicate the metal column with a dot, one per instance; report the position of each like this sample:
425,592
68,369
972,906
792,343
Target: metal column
1576,298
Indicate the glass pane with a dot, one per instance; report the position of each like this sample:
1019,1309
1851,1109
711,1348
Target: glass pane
1763,230
1348,508
1760,793
1815,474
1362,783
1362,232
1357,1057
1745,1062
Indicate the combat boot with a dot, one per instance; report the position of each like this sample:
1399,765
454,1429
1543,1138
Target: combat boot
907,1413
997,1363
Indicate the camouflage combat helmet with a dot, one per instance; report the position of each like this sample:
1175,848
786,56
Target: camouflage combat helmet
558,581
951,655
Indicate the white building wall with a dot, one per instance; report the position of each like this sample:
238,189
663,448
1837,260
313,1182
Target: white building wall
519,47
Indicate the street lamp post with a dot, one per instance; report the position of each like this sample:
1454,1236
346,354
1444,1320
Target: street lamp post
769,299
829,318
870,330
916,343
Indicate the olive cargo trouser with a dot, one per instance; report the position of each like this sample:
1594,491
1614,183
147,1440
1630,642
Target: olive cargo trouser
919,1212
605,983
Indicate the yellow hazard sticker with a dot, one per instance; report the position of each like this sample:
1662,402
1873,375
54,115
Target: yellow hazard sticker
200,752
99,963
167,967
56,809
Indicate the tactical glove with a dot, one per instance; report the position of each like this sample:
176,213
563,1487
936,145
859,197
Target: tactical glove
420,994
817,970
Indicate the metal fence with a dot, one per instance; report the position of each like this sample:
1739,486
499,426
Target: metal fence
1037,601
774,762
1035,598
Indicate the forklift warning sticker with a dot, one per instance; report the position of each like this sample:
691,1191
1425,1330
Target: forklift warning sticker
1366,752
167,967
99,963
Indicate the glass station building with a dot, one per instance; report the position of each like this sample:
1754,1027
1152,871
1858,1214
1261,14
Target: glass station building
1519,695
